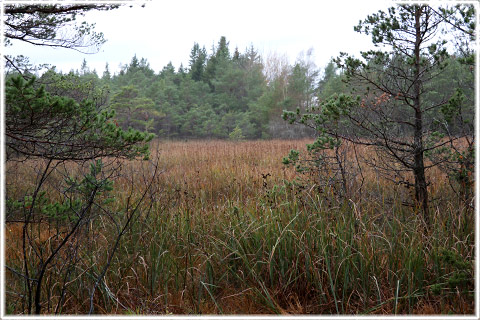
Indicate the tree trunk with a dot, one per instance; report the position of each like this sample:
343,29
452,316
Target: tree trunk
421,192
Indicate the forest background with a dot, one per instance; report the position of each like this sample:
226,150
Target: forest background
224,93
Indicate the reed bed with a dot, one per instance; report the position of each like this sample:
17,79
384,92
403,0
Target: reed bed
232,232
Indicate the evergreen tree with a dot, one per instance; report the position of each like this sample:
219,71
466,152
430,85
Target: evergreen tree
106,73
57,123
331,82
134,64
39,124
223,53
84,69
220,56
134,111
392,114
198,58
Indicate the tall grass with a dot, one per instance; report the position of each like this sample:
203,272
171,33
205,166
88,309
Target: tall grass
231,233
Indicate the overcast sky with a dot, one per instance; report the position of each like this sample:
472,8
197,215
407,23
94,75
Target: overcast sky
166,30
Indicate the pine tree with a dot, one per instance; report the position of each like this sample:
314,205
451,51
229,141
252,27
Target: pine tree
106,73
41,125
84,69
197,62
134,111
392,114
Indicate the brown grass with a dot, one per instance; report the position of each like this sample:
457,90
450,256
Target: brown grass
213,192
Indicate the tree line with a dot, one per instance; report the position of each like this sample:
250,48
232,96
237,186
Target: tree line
220,94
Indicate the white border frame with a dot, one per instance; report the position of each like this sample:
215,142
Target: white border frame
2,192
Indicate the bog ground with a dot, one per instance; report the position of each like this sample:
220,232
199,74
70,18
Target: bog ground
229,229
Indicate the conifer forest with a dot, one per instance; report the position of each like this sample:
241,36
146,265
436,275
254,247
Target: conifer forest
241,183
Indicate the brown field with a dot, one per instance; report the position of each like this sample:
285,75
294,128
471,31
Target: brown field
228,231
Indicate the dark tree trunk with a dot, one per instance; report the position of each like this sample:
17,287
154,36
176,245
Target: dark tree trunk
421,192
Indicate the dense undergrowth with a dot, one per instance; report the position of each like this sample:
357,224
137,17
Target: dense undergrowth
232,232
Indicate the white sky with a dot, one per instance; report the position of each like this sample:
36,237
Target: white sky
166,30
